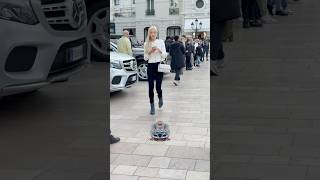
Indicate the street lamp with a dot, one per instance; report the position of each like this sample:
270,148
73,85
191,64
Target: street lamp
197,24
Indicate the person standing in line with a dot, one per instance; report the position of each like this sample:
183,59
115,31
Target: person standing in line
124,44
196,44
154,53
167,43
189,51
198,55
192,52
281,7
206,49
177,53
266,18
222,11
202,51
251,14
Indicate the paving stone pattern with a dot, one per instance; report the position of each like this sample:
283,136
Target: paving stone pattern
187,111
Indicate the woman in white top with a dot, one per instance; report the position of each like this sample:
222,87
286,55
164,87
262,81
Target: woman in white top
154,53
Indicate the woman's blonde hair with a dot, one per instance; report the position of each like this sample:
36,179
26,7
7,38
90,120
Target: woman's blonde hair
148,44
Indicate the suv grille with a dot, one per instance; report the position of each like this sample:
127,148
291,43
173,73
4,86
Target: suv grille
130,65
65,15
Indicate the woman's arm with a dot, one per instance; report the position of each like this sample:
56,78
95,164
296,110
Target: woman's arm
162,50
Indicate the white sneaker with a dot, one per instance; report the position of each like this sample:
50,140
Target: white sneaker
268,20
290,11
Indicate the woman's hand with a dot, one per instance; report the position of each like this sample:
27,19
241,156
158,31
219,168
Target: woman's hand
152,51
159,50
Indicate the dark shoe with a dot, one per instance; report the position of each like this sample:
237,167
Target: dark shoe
246,24
213,70
256,23
160,102
213,73
114,139
152,109
282,13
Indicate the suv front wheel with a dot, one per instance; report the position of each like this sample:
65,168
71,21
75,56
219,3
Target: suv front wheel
142,71
97,24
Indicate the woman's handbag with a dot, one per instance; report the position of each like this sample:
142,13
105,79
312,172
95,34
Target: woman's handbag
165,68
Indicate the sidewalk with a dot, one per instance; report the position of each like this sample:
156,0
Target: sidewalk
266,101
187,111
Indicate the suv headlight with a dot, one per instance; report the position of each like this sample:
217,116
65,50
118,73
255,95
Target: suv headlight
18,11
115,65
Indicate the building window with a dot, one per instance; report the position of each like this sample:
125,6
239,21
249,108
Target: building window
133,1
173,31
200,4
173,9
116,2
132,31
112,28
150,8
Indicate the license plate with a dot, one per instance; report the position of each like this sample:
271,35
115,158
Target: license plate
76,53
134,78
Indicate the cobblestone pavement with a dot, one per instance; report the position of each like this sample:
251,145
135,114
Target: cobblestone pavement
186,110
266,101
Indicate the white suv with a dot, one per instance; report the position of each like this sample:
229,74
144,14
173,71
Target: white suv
42,41
123,70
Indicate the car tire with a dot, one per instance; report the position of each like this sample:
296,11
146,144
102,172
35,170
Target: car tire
142,71
97,19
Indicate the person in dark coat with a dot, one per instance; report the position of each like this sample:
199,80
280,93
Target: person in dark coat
222,11
168,42
198,55
206,49
189,51
177,53
202,51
